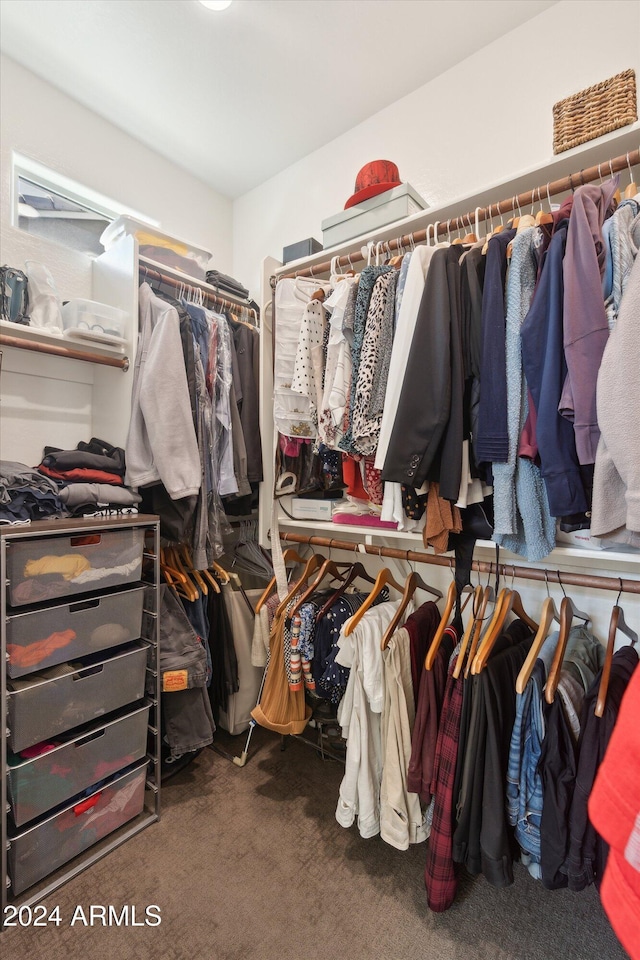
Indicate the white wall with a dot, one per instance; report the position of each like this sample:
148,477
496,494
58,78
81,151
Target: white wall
49,400
40,122
482,121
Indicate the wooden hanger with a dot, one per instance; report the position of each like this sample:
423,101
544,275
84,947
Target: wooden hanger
616,623
430,658
631,189
357,570
568,611
290,554
176,572
185,554
547,617
466,636
221,572
328,568
509,601
413,582
190,584
493,631
488,596
313,563
383,579
542,217
172,576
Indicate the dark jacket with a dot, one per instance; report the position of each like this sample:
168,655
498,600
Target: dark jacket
483,840
248,401
545,368
588,852
424,406
492,442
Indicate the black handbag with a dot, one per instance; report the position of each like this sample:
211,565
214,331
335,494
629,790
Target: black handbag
14,295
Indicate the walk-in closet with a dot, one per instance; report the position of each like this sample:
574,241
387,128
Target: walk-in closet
320,479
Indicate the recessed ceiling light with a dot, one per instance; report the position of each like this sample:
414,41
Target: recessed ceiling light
217,5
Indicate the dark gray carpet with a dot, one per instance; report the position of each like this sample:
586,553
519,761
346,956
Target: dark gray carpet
250,864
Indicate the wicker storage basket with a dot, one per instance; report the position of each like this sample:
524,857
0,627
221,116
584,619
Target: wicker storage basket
595,111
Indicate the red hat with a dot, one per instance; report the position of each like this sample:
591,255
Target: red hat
374,178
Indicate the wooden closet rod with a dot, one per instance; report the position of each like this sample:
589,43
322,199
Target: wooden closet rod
60,351
467,220
505,570
190,282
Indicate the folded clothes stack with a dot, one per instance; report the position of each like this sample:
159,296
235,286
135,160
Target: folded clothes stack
25,494
90,477
226,283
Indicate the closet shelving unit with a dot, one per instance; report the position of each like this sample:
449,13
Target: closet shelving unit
499,198
125,744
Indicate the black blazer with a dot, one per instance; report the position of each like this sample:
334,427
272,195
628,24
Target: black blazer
426,442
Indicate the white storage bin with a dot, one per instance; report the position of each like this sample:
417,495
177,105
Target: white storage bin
147,235
38,851
58,700
91,320
41,783
37,639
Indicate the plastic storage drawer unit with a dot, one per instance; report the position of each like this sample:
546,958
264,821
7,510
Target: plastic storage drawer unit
43,782
51,567
38,851
37,639
69,695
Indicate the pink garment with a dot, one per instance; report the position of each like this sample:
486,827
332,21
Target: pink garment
373,482
528,444
291,446
37,750
364,520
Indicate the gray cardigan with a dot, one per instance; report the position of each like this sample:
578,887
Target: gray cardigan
161,444
616,482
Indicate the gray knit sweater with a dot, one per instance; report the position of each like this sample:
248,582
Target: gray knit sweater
522,522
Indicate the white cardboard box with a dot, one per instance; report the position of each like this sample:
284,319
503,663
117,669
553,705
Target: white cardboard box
303,509
394,204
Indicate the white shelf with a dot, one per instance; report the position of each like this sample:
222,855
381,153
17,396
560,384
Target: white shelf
191,281
40,335
320,527
560,557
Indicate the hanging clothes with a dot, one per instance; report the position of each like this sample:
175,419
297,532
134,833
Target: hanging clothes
401,820
359,716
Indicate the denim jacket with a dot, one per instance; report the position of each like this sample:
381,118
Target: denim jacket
524,783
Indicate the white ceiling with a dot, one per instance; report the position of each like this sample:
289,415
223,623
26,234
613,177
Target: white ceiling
235,97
